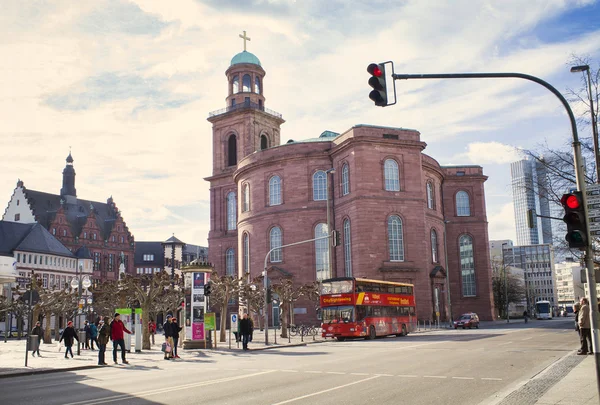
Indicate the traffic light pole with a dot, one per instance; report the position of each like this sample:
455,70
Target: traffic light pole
579,176
266,281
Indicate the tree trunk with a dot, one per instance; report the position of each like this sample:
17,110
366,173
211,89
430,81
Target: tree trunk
223,323
57,327
145,332
284,321
47,331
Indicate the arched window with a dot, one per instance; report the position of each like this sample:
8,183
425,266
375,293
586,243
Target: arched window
275,239
347,248
322,252
275,190
463,205
246,253
430,196
392,177
434,247
246,84
345,179
320,186
257,85
232,150
395,239
230,262
467,266
245,198
231,212
264,142
236,84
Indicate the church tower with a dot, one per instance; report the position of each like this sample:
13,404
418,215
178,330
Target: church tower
68,191
243,127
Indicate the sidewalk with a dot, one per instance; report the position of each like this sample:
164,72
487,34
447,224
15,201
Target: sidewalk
579,387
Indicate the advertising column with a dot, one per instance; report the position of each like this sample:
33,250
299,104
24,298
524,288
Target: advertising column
198,305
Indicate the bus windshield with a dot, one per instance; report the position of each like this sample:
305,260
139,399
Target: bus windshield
340,314
336,287
542,307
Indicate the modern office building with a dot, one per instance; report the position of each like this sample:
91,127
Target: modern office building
529,186
568,282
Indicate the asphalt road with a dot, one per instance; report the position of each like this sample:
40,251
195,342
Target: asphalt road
461,367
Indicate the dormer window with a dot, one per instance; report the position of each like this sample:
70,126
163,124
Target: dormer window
85,235
148,258
94,236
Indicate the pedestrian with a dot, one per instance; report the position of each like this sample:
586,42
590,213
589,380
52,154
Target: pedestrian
245,331
117,330
37,331
585,331
152,329
176,330
69,335
102,340
168,331
93,335
88,334
251,322
576,312
525,316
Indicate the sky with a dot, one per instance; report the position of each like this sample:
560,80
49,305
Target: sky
128,85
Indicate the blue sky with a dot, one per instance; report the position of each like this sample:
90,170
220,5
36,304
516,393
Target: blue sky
129,84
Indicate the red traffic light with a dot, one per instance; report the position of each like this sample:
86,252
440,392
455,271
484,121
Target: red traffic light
373,69
571,201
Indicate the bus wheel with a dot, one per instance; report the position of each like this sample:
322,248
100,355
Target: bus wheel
340,339
404,332
372,334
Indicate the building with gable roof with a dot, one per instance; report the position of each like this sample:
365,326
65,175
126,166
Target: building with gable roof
396,208
84,227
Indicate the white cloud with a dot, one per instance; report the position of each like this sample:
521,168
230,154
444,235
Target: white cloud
501,223
490,152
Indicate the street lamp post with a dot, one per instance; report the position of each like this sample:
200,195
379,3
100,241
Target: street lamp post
77,283
447,274
505,283
586,68
329,249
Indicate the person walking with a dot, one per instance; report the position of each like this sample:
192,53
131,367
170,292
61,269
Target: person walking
117,334
168,331
102,340
152,329
525,316
88,334
37,331
585,331
69,335
576,312
245,331
176,330
93,335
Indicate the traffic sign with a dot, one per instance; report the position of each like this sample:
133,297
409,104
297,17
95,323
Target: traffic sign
209,321
234,322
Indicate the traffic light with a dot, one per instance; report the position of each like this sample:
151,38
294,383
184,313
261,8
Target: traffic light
336,238
575,220
377,82
530,220
207,288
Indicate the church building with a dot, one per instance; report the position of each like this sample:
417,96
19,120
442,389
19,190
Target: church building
401,216
89,229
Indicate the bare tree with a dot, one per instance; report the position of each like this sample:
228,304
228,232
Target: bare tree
288,294
253,296
506,287
224,289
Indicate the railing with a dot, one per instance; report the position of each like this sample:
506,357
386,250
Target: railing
248,105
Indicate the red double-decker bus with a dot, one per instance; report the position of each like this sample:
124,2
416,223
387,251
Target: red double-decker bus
357,307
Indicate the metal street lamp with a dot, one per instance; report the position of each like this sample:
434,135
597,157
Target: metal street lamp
447,274
586,68
505,283
78,282
329,250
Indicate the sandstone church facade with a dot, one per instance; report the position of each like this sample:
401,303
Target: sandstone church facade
396,208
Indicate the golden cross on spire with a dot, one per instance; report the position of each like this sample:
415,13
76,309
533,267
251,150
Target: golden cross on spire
245,38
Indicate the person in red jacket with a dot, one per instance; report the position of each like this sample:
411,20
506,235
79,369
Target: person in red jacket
117,329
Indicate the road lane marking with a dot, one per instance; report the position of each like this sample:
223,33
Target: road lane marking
335,372
408,375
385,375
314,372
463,378
434,376
289,371
531,337
359,374
491,379
324,391
502,344
114,398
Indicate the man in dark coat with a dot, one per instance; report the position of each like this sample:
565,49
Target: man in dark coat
88,334
176,329
37,331
103,338
168,331
117,334
69,335
245,330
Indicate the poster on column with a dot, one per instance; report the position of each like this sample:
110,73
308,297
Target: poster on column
188,305
198,306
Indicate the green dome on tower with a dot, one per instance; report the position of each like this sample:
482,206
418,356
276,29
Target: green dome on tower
245,57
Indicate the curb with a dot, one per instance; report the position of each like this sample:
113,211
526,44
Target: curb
46,371
270,347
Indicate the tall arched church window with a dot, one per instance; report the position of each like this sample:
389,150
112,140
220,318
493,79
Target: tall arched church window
246,253
245,198
230,262
463,205
430,196
321,252
345,179
236,84
392,177
395,238
320,186
434,246
264,142
231,212
275,190
231,150
347,248
467,266
275,240
246,84
257,85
